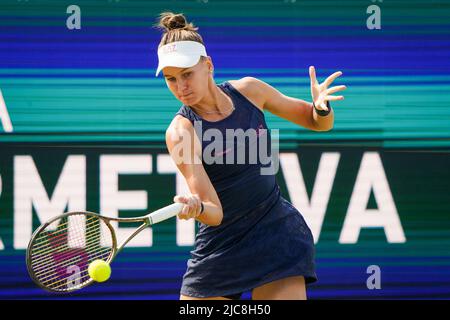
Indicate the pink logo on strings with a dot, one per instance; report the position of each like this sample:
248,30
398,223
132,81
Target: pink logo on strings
73,256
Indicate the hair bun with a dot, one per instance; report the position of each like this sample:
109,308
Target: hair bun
171,21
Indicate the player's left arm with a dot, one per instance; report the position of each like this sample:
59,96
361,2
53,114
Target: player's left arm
296,110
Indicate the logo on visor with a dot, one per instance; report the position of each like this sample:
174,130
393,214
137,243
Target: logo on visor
170,48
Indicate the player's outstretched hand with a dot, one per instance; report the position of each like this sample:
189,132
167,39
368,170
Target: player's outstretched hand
321,93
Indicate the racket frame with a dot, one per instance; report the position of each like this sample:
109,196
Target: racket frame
147,221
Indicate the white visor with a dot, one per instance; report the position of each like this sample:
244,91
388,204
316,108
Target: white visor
181,54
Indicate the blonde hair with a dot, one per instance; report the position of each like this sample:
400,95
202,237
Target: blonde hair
176,28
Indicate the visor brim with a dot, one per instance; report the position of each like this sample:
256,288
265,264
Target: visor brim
178,61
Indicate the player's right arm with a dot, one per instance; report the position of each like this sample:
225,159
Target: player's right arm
185,149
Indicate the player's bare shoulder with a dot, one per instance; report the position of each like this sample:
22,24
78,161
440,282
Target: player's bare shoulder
180,135
252,89
179,123
177,129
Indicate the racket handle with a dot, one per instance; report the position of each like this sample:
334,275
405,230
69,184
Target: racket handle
165,213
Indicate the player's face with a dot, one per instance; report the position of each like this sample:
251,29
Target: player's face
189,85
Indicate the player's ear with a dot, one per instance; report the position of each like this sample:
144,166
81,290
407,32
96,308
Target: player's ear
209,64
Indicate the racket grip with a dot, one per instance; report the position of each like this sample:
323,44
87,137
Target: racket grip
166,213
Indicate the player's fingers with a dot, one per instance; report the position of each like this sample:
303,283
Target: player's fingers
335,89
182,214
331,78
191,207
180,199
312,75
185,210
334,98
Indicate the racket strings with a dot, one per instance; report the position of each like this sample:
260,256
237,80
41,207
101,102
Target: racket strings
59,246
59,232
69,260
62,242
64,255
60,258
68,257
54,280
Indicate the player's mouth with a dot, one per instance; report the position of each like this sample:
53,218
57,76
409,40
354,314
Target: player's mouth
186,96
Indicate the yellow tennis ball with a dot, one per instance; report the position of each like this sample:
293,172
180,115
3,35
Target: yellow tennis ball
99,270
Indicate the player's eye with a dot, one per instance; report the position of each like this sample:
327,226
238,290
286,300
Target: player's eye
171,79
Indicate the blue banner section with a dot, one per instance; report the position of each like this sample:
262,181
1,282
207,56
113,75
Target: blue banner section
234,47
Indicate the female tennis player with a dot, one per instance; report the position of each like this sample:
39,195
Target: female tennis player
249,236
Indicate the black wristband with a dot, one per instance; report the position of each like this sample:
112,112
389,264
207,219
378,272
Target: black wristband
203,208
323,112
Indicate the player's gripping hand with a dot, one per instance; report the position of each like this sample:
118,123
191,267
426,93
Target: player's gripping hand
192,206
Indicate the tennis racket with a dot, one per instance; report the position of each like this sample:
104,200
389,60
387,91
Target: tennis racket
60,250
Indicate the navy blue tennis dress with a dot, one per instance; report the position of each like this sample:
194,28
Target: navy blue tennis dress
262,237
